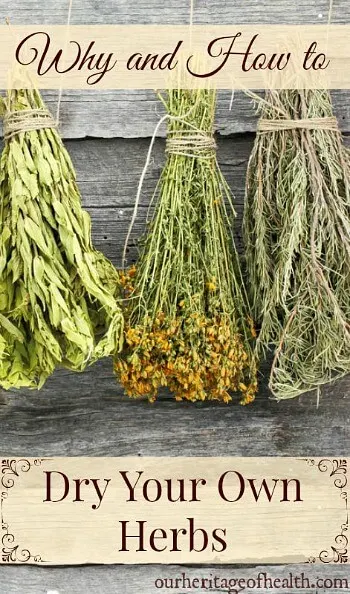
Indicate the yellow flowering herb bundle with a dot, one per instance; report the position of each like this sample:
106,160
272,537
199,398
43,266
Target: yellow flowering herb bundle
58,302
187,321
297,235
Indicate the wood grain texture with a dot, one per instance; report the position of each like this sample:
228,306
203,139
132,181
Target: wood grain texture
87,414
131,114
141,580
71,407
108,174
109,171
135,114
94,12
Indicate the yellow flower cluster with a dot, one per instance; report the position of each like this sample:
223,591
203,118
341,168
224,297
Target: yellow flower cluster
195,356
187,324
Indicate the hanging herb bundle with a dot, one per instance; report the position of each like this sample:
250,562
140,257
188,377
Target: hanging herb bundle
58,302
297,234
187,323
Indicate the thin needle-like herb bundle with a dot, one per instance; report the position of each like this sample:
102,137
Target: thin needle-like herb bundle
58,302
187,321
297,233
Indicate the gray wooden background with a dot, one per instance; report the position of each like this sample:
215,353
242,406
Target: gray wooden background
87,414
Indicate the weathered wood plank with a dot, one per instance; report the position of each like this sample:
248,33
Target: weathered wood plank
61,419
135,114
174,11
136,579
108,173
109,12
131,114
272,12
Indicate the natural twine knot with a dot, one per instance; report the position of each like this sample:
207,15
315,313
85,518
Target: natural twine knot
330,123
24,120
191,144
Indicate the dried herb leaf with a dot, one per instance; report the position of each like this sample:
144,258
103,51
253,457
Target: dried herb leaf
59,302
297,235
187,317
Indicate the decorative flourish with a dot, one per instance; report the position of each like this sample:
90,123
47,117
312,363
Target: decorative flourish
11,468
12,552
337,470
338,552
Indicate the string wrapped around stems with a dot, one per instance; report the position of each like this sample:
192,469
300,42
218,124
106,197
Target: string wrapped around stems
58,295
297,236
187,321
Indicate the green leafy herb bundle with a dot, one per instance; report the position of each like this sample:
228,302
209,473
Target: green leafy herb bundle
297,235
187,320
58,295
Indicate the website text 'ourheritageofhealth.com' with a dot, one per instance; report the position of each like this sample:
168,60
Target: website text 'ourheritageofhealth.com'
235,585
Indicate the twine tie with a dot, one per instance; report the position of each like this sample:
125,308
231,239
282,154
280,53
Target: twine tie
191,144
329,123
25,120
